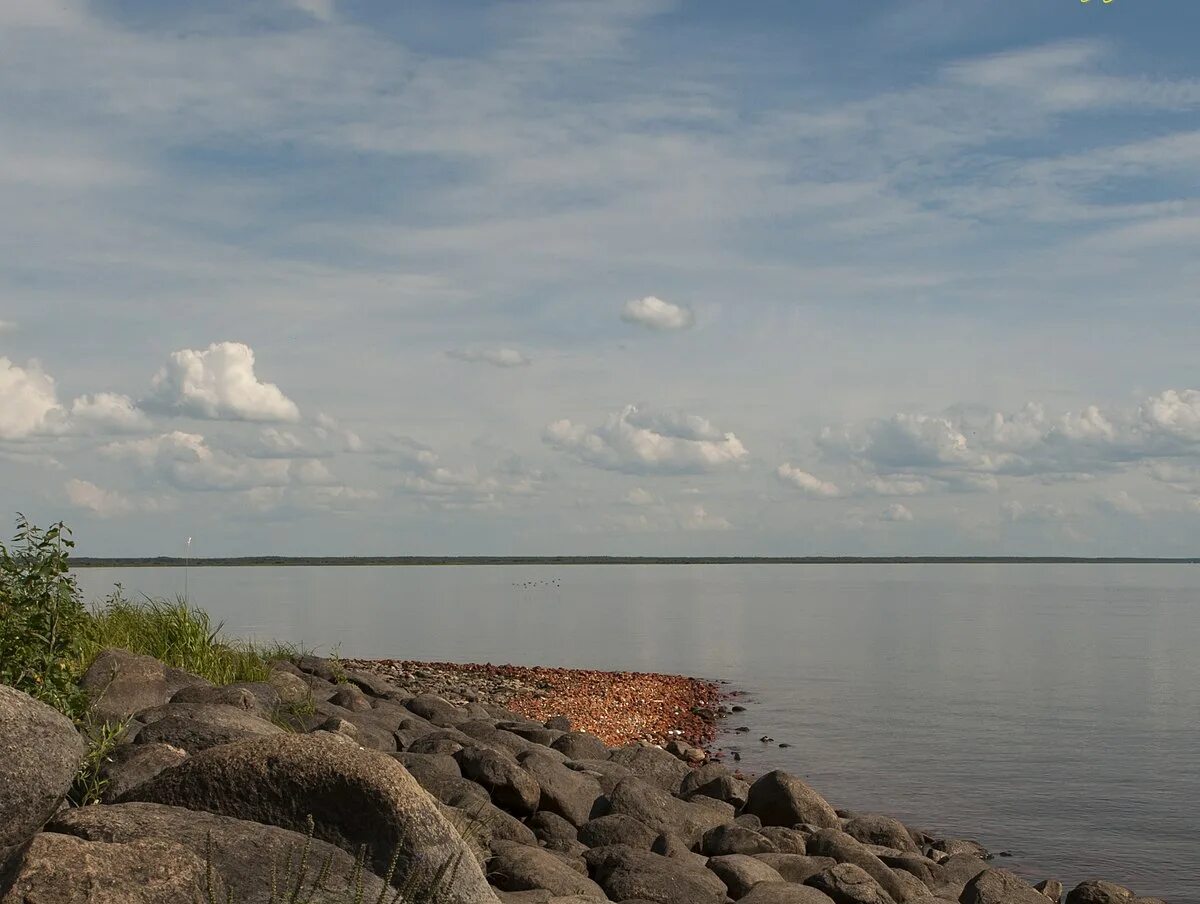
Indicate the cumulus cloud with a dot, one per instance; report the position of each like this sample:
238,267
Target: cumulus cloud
699,518
969,450
657,314
810,485
1015,511
108,412
427,477
105,503
896,512
497,357
187,462
639,442
28,400
219,383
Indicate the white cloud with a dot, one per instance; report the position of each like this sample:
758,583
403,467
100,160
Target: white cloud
468,487
186,462
812,486
641,442
107,412
1121,503
1016,510
7,326
28,401
698,518
896,512
899,485
497,357
657,314
219,383
105,503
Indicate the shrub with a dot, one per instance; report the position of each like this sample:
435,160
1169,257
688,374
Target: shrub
42,621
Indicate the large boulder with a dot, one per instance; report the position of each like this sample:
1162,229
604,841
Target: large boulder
608,774
511,787
518,867
655,808
555,833
433,708
785,893
727,788
1099,892
197,726
787,841
355,797
796,867
844,849
629,875
734,839
119,683
244,854
1052,889
881,830
579,745
849,884
959,869
67,870
617,828
741,872
999,886
131,765
570,794
652,764
779,799
40,752
928,871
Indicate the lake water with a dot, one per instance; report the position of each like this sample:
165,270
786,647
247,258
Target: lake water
1049,710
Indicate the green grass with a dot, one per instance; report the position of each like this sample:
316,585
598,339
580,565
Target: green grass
178,634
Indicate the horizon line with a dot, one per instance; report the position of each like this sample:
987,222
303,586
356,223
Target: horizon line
313,561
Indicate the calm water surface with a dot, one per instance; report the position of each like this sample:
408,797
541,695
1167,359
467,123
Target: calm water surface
1048,710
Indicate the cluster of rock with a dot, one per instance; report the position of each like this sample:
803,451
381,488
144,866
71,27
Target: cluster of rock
474,803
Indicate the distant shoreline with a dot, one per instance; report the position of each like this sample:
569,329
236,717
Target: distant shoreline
310,561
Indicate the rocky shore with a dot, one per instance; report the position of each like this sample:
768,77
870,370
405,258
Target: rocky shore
347,781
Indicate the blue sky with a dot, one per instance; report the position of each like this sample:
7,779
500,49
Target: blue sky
623,277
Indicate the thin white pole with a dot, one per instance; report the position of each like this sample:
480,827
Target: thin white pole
187,557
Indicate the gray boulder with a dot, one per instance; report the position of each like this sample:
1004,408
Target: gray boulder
197,726
131,765
999,886
740,873
787,841
608,774
734,839
355,797
952,846
119,683
849,884
579,745
1052,889
796,867
617,828
1099,892
732,791
243,853
653,765
779,799
881,830
572,795
844,849
555,833
40,752
511,787
629,875
660,811
517,867
292,690
436,710
60,869
785,893
928,871
959,869
257,697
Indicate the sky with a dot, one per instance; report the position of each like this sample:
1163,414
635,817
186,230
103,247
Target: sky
622,277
